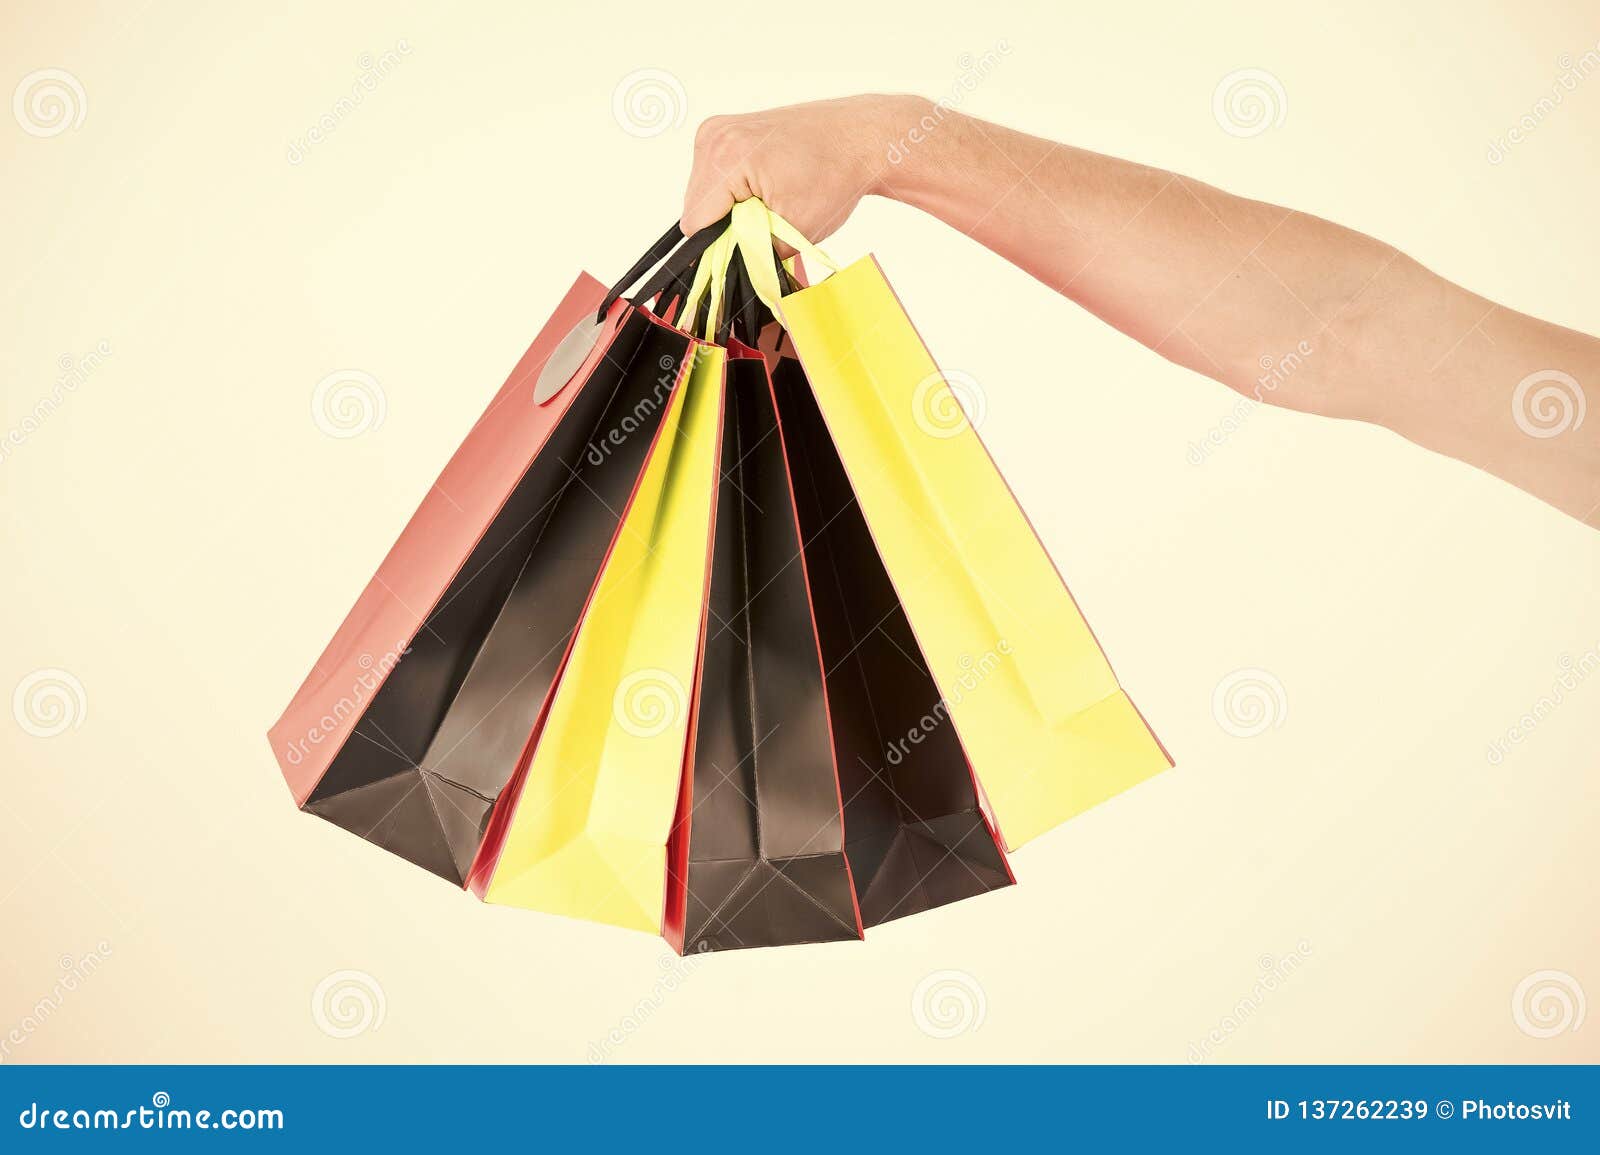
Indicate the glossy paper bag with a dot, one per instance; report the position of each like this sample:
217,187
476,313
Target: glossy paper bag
817,728
417,713
917,835
758,856
1052,732
585,827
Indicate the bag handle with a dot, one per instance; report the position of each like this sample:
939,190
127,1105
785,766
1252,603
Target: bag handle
709,278
746,315
750,233
755,227
680,253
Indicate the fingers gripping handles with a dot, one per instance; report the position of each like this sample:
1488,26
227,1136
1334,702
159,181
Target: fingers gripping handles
750,233
703,270
755,228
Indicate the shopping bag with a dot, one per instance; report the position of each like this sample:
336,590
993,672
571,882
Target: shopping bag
708,669
418,712
758,849
917,834
583,830
1049,731
760,855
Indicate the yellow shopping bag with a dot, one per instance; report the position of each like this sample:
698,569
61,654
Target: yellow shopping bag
587,836
1048,729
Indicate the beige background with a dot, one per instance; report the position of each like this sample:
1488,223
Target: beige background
181,537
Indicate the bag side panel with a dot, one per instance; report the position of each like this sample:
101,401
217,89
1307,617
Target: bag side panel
918,837
422,562
588,832
765,863
1053,733
445,732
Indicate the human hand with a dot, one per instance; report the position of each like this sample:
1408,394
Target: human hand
811,163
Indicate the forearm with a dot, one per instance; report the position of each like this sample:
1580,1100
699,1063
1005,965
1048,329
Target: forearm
1277,304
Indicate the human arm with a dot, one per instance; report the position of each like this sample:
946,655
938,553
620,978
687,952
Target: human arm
1222,284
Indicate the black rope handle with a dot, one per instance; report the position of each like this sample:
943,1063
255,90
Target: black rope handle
747,313
673,279
680,254
732,302
743,314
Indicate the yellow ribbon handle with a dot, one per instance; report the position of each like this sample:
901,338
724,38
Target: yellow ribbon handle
709,277
751,234
756,227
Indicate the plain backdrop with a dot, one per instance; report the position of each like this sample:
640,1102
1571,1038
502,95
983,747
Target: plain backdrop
182,535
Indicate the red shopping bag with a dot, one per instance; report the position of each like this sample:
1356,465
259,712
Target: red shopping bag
414,718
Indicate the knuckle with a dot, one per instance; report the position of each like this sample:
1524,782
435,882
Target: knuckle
708,132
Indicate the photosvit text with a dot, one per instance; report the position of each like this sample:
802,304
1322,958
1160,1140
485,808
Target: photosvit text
1360,1110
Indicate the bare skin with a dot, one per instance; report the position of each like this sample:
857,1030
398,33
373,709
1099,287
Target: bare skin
1218,283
